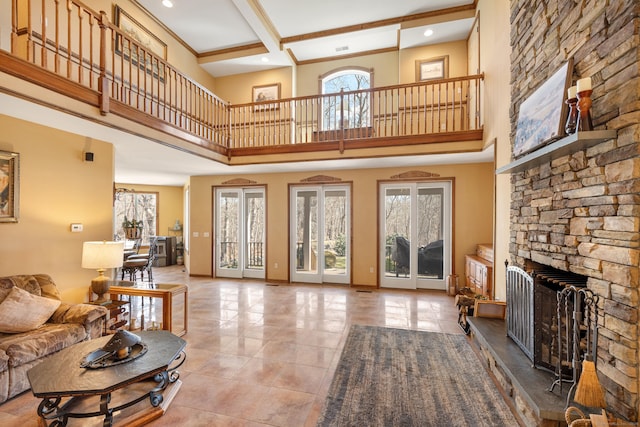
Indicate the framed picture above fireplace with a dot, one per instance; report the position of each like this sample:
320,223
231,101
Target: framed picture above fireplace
542,115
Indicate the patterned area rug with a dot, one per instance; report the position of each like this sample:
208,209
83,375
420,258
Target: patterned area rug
394,377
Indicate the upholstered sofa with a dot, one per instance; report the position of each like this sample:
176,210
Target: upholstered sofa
35,323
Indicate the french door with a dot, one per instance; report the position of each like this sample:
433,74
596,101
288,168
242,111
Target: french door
320,246
415,234
240,232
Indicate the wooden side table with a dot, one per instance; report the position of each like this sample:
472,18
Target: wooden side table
157,290
117,315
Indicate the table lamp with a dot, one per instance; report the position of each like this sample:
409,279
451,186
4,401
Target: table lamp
100,256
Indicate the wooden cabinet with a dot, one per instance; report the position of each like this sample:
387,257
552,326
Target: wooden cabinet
479,271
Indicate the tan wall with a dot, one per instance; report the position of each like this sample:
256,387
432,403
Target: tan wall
304,79
496,101
238,89
170,205
472,221
384,65
456,51
389,68
57,188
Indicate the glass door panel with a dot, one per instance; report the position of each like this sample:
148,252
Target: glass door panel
336,235
396,232
430,237
254,235
227,233
305,233
240,232
320,234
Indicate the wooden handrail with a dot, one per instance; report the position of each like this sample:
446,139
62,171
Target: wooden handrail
82,46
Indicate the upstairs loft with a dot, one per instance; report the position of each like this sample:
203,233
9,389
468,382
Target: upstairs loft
80,54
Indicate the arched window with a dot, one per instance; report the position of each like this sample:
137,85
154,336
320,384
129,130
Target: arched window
345,102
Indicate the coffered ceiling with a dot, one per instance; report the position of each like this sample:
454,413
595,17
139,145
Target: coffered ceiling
240,36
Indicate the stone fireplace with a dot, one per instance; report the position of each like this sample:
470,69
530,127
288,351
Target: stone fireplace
579,210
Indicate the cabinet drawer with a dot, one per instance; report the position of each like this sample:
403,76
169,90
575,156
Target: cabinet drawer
485,251
479,274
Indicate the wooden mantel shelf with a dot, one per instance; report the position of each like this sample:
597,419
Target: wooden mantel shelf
562,147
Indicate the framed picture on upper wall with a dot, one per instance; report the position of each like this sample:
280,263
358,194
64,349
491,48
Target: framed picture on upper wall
542,115
270,92
139,45
138,33
9,186
432,68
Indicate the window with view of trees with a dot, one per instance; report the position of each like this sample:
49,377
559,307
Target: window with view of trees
346,99
135,206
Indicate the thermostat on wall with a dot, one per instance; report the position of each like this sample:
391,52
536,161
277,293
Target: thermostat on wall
76,228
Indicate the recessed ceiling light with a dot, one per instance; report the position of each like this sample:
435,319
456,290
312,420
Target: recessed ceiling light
167,3
342,48
428,32
264,59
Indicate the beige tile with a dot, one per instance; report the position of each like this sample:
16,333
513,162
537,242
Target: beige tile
281,407
260,371
260,355
223,365
300,378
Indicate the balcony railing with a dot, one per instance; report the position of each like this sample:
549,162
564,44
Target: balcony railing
127,78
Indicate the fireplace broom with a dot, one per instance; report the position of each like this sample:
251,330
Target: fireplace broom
589,390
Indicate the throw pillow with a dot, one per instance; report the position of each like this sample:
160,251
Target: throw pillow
5,287
21,311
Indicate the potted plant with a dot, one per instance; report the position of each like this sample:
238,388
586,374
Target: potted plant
132,228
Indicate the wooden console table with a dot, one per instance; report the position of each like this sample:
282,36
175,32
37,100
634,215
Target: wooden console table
156,290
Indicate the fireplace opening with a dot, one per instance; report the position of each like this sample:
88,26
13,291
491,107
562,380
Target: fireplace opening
555,304
543,304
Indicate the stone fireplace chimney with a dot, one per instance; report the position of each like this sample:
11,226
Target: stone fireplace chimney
579,211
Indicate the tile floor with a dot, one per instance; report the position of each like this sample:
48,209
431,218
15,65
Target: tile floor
260,354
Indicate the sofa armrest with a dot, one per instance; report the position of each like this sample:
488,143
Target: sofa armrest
91,316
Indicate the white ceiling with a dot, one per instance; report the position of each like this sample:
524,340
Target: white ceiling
213,25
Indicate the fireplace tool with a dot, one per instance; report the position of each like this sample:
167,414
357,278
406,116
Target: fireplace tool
577,340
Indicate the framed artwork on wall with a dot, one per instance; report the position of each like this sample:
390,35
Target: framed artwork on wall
432,68
270,92
542,115
138,33
9,186
147,41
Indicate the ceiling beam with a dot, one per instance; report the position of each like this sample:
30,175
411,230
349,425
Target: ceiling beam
377,24
258,19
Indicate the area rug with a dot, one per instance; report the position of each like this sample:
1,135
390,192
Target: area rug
395,377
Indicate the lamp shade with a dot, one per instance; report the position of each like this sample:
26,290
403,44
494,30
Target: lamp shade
102,255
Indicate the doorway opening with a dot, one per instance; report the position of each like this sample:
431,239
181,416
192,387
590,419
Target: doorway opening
320,246
415,234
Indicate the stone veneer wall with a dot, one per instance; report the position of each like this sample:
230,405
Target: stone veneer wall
581,212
